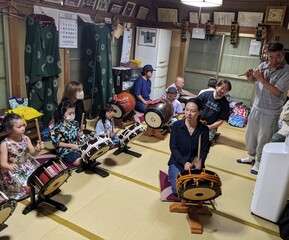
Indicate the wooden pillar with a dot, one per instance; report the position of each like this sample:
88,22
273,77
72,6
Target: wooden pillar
181,59
66,66
14,57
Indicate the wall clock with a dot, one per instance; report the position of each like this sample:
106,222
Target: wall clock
275,15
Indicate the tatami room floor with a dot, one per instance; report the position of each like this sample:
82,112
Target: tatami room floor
126,205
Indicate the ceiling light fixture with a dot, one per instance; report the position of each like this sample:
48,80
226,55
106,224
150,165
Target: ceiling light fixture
203,3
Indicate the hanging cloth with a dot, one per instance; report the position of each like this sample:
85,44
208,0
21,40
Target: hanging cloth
42,65
98,80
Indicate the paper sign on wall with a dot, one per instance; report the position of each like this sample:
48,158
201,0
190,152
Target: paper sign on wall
126,45
255,47
67,30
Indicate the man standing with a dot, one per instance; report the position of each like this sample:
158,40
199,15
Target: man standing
272,82
211,85
216,106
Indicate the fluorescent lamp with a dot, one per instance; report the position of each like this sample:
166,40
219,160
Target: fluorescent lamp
203,3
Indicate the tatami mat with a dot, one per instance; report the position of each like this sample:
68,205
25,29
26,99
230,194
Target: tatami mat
126,204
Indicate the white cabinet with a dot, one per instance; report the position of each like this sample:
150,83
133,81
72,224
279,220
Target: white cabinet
153,47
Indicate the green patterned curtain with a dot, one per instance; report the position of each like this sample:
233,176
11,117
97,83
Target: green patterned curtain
98,80
42,67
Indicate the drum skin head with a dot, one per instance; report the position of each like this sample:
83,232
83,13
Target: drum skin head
99,153
154,119
159,114
202,191
119,111
49,182
55,183
6,209
200,194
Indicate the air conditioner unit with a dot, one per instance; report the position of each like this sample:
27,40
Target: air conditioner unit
272,186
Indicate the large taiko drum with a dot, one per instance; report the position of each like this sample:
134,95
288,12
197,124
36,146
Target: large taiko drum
158,115
198,185
7,207
96,147
123,104
132,133
49,176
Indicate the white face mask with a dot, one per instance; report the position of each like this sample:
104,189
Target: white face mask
80,95
70,118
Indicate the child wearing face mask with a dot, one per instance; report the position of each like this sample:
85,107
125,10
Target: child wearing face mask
105,124
74,93
66,136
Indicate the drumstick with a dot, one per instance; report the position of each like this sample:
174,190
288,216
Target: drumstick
199,148
199,151
117,131
4,196
82,120
37,129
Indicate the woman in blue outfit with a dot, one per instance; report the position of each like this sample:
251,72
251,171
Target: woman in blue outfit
184,141
142,88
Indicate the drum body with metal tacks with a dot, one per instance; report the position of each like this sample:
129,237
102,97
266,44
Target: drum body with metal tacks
7,207
159,114
96,147
131,133
49,176
124,106
198,185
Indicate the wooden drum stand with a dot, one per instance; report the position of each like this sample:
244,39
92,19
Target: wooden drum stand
193,213
124,122
195,206
159,133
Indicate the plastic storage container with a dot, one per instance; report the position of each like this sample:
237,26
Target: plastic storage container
272,186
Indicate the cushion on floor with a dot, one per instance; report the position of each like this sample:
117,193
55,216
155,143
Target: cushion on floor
166,189
140,116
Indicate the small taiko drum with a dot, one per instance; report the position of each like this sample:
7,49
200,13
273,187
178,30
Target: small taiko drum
158,115
132,133
7,207
123,104
198,185
96,147
49,176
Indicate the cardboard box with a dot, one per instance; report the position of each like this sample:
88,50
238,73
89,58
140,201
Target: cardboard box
129,65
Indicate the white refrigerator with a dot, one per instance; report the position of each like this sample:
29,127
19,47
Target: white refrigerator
153,47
